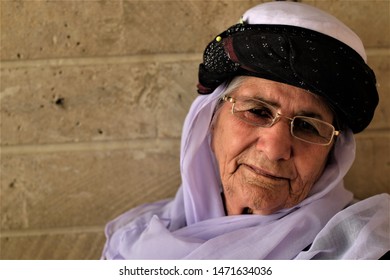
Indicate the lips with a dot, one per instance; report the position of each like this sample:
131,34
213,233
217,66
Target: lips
265,173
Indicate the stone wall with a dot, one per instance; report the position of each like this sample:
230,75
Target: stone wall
93,97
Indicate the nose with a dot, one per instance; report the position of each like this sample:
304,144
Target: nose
276,141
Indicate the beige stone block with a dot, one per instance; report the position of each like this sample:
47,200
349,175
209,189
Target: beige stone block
41,29
70,189
370,173
370,20
52,29
70,103
67,246
381,66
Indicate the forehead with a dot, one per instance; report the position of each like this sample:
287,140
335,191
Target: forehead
283,96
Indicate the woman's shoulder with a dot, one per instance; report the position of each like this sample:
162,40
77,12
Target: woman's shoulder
348,235
375,203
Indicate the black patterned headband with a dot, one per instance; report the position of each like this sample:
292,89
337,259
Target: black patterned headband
299,57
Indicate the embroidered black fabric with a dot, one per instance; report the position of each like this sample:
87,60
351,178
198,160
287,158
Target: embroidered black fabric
299,57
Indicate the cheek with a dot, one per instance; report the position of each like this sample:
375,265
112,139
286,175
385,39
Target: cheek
228,142
309,170
311,167
221,145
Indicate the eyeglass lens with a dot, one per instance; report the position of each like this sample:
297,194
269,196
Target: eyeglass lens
259,113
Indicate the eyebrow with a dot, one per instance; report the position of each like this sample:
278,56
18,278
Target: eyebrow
273,103
311,115
303,113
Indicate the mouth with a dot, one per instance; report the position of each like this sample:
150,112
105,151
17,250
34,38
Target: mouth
257,192
265,173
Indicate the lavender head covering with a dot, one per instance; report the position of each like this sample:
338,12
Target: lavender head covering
193,225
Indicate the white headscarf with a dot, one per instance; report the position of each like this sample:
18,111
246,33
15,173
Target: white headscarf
193,225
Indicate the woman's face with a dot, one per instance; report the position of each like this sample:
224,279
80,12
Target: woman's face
267,169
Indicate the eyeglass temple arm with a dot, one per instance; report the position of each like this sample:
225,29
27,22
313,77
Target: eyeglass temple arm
231,100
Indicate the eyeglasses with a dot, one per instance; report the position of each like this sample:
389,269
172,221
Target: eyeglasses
259,113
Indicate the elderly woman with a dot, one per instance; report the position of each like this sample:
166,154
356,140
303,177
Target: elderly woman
265,149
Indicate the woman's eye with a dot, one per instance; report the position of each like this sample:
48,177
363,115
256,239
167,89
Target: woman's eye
261,112
306,126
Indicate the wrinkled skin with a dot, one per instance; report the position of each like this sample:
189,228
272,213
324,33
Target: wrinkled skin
264,170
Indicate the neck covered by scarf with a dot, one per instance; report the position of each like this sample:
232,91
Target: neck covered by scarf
193,225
